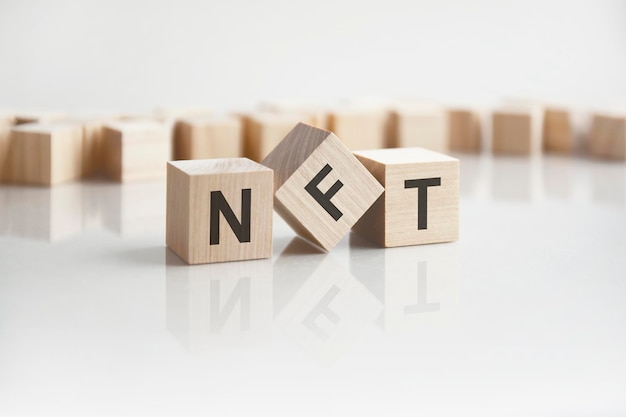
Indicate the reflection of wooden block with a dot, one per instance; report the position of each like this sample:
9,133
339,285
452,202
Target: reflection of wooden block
208,137
39,117
5,167
421,199
557,131
517,132
265,131
46,154
321,189
423,126
464,130
219,210
359,129
136,150
607,138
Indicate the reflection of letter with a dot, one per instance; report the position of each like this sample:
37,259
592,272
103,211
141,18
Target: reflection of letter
241,294
322,308
324,198
422,305
219,203
422,198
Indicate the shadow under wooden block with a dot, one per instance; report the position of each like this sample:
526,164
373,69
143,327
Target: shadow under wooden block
465,130
607,137
517,131
49,214
208,137
136,150
5,150
219,210
558,132
321,189
264,131
46,154
418,286
219,306
421,125
420,203
360,128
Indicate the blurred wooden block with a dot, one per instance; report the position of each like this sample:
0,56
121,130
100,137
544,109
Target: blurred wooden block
219,210
314,114
136,150
39,117
321,189
360,128
93,137
208,137
6,119
171,114
421,200
5,167
263,131
607,137
465,130
558,135
517,131
46,154
425,126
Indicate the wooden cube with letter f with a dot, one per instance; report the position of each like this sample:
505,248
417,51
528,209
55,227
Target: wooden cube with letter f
219,210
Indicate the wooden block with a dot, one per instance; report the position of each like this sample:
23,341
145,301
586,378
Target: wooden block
517,131
558,135
39,117
5,145
315,114
171,114
93,137
360,128
464,129
219,210
421,200
6,119
607,137
265,131
46,154
208,137
136,150
321,189
422,125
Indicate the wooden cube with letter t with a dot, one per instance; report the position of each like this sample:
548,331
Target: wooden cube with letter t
421,199
321,189
219,210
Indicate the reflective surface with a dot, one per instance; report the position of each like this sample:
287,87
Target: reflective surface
524,315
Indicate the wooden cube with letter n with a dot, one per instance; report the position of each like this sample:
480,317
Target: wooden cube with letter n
421,200
321,189
219,210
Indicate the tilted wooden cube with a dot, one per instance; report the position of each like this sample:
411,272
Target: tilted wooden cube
607,138
517,131
321,189
208,137
136,150
219,210
558,134
360,128
421,200
424,125
464,130
46,154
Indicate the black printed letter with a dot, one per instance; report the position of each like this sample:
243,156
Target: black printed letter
324,198
422,198
241,230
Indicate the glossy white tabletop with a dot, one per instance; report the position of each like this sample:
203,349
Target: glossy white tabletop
524,316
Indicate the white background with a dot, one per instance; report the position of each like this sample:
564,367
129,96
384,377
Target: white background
134,55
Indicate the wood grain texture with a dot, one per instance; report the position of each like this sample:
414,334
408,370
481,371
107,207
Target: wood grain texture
394,220
305,153
465,130
517,131
265,130
208,137
558,133
360,128
191,189
5,146
136,150
607,137
46,154
418,125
